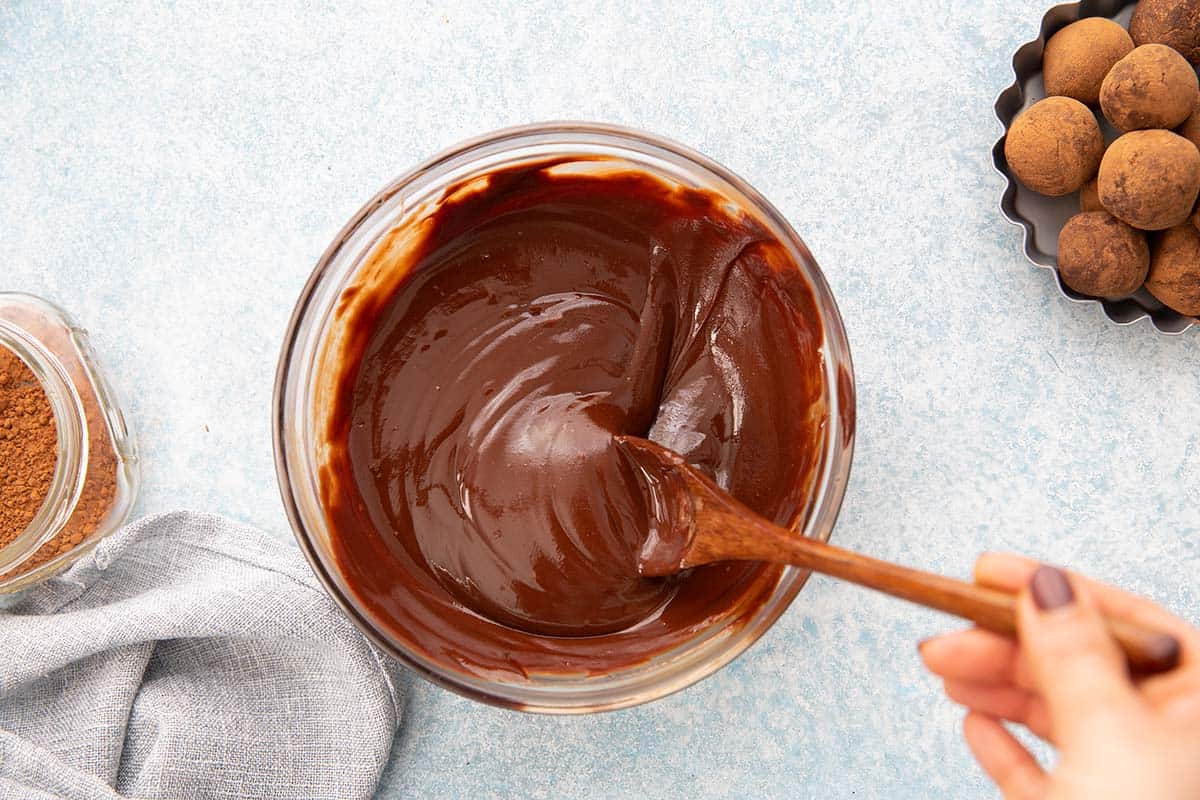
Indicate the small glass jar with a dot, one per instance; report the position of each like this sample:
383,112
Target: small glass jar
302,391
95,480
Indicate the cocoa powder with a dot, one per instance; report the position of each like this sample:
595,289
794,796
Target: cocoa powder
28,446
95,500
101,482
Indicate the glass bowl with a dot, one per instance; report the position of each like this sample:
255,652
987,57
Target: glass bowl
299,453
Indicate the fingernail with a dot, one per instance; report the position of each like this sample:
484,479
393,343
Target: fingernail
1050,589
1164,650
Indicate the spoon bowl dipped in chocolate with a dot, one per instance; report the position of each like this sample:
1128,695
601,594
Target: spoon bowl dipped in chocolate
692,522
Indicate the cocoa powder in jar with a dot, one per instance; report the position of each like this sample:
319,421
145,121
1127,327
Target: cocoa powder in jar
28,446
98,495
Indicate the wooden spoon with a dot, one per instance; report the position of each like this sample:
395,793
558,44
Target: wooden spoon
693,522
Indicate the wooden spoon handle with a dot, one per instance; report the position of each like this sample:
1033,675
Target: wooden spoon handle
1148,651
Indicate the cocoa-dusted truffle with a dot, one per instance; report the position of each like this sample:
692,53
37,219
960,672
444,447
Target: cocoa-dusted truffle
1078,57
1190,129
1150,179
1089,197
1175,23
1101,256
1152,87
1054,146
1175,270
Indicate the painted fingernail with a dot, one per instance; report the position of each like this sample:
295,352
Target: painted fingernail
1050,589
1164,650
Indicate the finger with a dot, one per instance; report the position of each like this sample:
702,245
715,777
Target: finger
1004,571
1012,573
1002,702
1172,689
1148,614
972,655
1076,666
1004,759
1182,705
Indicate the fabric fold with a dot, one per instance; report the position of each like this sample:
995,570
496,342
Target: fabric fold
189,656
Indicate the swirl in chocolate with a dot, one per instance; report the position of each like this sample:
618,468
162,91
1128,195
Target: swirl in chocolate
479,509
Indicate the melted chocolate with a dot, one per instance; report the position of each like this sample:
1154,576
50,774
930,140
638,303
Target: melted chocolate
479,509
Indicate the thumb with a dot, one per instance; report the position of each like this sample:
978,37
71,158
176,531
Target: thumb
1075,664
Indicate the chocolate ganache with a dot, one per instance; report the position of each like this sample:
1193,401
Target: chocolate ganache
478,507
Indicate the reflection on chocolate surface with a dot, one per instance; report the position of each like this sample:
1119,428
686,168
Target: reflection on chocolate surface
479,509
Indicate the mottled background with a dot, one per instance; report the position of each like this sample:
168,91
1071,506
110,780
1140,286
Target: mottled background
171,172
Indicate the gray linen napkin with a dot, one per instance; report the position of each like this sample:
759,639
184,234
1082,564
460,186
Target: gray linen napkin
189,657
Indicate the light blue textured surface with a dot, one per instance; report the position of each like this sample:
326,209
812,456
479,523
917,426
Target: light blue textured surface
171,174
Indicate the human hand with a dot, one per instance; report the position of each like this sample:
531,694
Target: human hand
1066,681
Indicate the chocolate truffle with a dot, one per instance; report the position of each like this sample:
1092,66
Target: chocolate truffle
1190,129
1089,197
1054,146
1079,56
1175,270
1175,23
1152,87
1150,179
1101,256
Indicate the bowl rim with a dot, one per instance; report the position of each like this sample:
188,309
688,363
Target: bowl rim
1027,62
830,482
